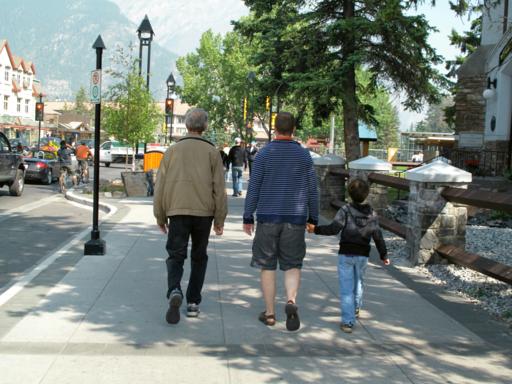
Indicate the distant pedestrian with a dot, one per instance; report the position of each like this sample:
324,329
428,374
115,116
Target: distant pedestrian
251,152
189,195
358,224
237,159
225,163
283,194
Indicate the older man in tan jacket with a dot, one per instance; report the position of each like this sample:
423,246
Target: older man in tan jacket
190,194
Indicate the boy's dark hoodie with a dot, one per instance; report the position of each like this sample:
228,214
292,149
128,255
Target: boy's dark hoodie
358,224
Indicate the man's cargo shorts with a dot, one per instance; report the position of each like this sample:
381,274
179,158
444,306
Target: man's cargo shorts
281,242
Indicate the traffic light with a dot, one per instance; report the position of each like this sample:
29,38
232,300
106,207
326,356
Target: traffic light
274,114
245,108
169,106
39,111
267,103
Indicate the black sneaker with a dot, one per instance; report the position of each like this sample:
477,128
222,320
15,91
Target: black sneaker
292,317
347,328
193,310
173,313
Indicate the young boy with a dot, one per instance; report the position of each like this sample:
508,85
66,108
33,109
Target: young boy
358,224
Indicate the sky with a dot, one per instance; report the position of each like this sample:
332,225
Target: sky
444,19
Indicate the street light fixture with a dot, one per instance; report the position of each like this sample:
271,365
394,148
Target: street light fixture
145,33
169,102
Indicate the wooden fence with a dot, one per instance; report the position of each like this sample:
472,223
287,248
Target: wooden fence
497,201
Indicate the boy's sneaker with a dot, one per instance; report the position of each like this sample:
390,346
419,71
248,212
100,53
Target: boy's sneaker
173,313
193,310
357,313
347,328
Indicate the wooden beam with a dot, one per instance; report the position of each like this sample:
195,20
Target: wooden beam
389,181
478,263
393,226
482,199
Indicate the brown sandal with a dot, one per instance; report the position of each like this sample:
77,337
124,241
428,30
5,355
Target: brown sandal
269,320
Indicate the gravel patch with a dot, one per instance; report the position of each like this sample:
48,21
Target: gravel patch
492,295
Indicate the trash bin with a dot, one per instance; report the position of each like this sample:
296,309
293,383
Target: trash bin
152,160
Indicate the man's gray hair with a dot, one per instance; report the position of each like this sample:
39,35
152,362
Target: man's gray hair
196,120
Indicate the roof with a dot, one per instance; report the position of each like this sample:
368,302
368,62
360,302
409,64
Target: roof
17,61
365,133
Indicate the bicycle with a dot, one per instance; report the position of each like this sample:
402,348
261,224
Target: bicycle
66,178
83,172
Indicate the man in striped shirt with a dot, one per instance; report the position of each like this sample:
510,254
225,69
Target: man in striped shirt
283,193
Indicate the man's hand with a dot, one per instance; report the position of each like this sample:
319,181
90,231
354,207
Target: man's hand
219,229
310,228
249,229
386,261
163,228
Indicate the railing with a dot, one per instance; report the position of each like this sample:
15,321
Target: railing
500,201
479,162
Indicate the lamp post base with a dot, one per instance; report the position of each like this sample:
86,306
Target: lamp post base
95,247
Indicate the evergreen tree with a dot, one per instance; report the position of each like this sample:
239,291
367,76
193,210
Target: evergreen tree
317,46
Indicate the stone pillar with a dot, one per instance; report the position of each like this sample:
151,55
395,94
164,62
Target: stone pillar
432,220
361,168
331,187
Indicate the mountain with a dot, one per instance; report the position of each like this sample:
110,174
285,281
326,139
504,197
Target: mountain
178,24
58,35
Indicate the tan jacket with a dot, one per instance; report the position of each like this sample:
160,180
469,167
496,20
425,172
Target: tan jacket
190,181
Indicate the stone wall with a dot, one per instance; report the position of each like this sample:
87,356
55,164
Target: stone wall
470,104
433,221
331,187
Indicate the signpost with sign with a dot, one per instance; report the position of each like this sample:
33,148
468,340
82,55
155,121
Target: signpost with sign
96,86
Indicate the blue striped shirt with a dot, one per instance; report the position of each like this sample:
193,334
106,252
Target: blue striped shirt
282,188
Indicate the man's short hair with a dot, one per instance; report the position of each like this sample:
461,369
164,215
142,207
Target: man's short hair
196,120
285,123
358,190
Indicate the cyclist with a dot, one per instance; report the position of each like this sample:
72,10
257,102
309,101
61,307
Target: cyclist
83,154
66,168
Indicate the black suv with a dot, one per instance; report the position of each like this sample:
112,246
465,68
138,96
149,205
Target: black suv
12,169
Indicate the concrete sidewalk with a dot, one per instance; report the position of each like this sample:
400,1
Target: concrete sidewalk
101,319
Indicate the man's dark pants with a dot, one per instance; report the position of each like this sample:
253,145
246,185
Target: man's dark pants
181,228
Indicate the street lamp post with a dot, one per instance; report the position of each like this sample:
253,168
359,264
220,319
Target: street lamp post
251,77
96,246
145,33
169,115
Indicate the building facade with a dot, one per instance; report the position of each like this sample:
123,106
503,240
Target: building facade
484,100
18,92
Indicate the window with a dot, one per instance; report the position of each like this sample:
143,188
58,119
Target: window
27,103
4,144
6,103
18,105
6,76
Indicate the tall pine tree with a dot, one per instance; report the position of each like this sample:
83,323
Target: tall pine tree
315,47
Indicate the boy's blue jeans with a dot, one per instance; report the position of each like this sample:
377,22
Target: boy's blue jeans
351,271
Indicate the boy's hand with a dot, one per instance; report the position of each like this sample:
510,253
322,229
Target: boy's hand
386,261
310,228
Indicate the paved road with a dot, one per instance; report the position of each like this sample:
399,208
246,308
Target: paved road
33,226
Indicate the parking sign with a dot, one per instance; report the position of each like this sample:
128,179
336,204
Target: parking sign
96,86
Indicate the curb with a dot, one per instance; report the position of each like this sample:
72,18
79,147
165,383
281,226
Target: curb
107,208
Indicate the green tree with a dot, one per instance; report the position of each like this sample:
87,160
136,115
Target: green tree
321,44
131,115
215,78
436,121
81,101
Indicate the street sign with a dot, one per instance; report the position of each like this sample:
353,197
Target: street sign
96,86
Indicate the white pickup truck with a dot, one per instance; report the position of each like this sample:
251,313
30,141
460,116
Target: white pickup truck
114,151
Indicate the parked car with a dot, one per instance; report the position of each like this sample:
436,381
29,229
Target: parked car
17,144
42,166
12,168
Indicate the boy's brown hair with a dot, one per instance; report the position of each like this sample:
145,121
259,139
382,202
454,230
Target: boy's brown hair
358,190
285,123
